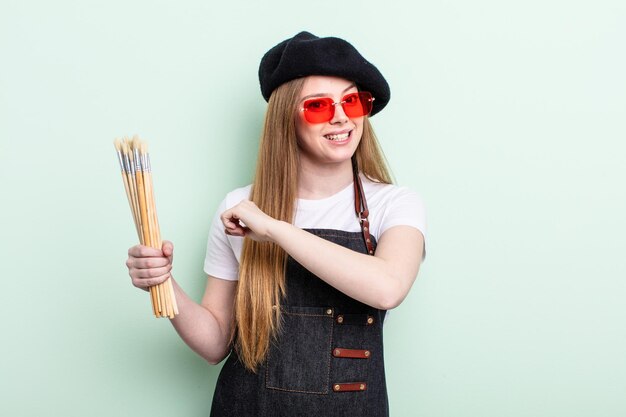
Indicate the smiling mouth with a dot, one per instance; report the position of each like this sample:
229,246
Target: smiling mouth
337,138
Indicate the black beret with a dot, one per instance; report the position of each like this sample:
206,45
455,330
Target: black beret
306,54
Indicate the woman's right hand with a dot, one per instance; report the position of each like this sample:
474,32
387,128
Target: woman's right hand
148,266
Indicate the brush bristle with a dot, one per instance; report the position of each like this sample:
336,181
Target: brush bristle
136,143
118,144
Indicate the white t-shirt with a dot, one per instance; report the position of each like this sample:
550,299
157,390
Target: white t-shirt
389,205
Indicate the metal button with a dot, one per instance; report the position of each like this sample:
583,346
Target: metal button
362,387
339,319
337,387
371,252
366,353
337,352
329,311
370,320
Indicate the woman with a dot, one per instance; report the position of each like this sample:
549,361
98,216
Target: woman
329,246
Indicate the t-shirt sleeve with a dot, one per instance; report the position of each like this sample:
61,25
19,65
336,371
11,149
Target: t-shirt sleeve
405,208
220,260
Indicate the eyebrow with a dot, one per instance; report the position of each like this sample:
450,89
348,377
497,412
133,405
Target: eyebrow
327,94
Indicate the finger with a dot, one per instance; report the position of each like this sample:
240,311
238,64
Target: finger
238,231
149,282
147,263
235,230
150,273
232,232
141,251
230,222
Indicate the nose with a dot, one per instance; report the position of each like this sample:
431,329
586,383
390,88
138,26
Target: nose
340,116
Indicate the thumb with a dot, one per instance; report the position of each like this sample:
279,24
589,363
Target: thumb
168,249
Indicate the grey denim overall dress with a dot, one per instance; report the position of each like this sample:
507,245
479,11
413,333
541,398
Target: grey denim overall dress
328,358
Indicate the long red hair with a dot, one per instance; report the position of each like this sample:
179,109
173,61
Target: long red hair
274,190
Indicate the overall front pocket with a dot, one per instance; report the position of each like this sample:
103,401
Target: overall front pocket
299,360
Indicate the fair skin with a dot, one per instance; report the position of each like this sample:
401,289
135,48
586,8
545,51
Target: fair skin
381,281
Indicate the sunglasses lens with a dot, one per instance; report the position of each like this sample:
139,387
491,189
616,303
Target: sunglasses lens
321,110
357,104
318,110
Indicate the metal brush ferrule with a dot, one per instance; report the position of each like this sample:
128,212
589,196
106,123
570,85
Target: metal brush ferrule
131,166
127,164
120,160
144,162
137,160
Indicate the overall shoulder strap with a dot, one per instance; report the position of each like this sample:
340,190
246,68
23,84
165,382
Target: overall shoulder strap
360,207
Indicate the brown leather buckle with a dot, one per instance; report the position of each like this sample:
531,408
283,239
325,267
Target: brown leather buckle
350,387
351,353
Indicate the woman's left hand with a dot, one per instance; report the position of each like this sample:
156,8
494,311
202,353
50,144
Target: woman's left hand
246,219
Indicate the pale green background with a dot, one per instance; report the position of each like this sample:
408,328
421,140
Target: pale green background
508,118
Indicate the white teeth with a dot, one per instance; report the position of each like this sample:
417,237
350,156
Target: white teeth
342,136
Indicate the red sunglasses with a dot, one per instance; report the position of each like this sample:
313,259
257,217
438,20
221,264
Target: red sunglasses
322,109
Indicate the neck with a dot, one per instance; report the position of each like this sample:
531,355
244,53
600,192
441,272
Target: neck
319,182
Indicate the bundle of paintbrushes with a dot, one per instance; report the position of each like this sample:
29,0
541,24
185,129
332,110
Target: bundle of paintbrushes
135,164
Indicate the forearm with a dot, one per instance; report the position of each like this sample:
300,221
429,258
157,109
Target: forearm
373,280
199,328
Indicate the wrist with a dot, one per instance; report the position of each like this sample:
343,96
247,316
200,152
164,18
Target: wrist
277,230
